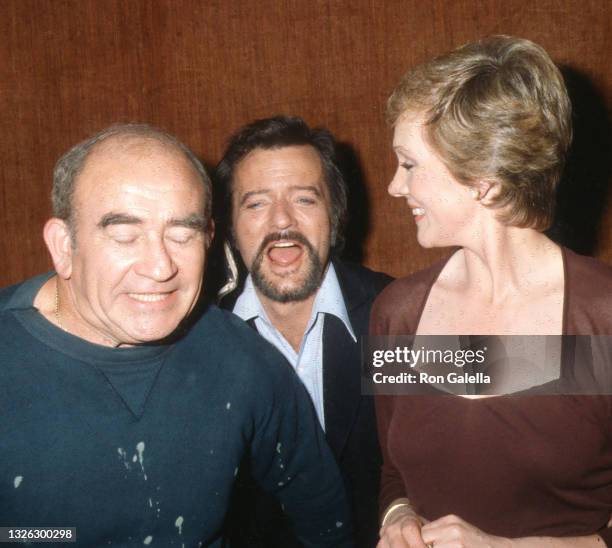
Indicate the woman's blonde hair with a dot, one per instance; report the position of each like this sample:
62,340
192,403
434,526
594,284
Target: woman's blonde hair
496,110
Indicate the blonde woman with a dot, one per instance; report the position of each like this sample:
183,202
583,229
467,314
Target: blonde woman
480,137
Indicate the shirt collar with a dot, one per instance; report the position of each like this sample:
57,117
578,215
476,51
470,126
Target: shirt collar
248,305
329,300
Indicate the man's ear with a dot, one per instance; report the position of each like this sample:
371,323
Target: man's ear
59,243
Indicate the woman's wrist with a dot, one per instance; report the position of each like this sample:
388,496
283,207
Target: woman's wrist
399,507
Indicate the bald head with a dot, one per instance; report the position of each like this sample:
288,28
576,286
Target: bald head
121,139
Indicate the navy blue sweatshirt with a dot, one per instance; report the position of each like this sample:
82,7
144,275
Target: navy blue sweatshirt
140,446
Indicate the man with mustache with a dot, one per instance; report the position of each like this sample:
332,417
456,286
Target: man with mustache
287,199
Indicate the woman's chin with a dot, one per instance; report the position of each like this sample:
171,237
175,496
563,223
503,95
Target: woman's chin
428,239
428,243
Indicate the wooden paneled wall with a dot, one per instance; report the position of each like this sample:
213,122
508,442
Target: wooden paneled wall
200,69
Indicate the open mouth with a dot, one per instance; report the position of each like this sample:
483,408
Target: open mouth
284,252
418,213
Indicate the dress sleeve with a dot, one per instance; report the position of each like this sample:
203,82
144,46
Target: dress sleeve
291,460
606,533
391,483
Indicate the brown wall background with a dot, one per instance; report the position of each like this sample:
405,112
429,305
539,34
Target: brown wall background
202,69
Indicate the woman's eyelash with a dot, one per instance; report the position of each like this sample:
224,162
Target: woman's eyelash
407,166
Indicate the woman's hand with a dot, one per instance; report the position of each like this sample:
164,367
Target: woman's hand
453,532
402,530
405,529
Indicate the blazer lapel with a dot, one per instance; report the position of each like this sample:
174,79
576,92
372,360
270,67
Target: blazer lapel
341,382
342,363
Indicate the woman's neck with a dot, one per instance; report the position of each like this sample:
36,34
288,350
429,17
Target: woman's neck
508,262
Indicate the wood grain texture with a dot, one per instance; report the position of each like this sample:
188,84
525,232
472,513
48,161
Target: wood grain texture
202,69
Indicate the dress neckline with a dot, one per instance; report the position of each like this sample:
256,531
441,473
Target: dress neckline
442,264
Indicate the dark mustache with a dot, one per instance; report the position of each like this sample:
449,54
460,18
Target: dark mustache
289,235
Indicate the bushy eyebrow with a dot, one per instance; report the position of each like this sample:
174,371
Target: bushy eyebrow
194,221
118,219
308,188
248,195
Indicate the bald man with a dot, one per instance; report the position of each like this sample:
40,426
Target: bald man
123,423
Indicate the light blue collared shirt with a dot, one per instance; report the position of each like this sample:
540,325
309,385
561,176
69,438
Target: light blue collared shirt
308,362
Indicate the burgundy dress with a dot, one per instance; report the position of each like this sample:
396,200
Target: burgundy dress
513,466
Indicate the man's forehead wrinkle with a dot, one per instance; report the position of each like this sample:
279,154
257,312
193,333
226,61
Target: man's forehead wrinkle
270,155
102,167
172,198
279,165
134,147
288,172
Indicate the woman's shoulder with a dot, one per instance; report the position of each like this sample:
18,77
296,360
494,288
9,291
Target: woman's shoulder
411,286
583,269
588,294
398,307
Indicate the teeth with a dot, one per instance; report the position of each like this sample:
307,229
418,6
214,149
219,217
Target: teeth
284,244
418,211
148,297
